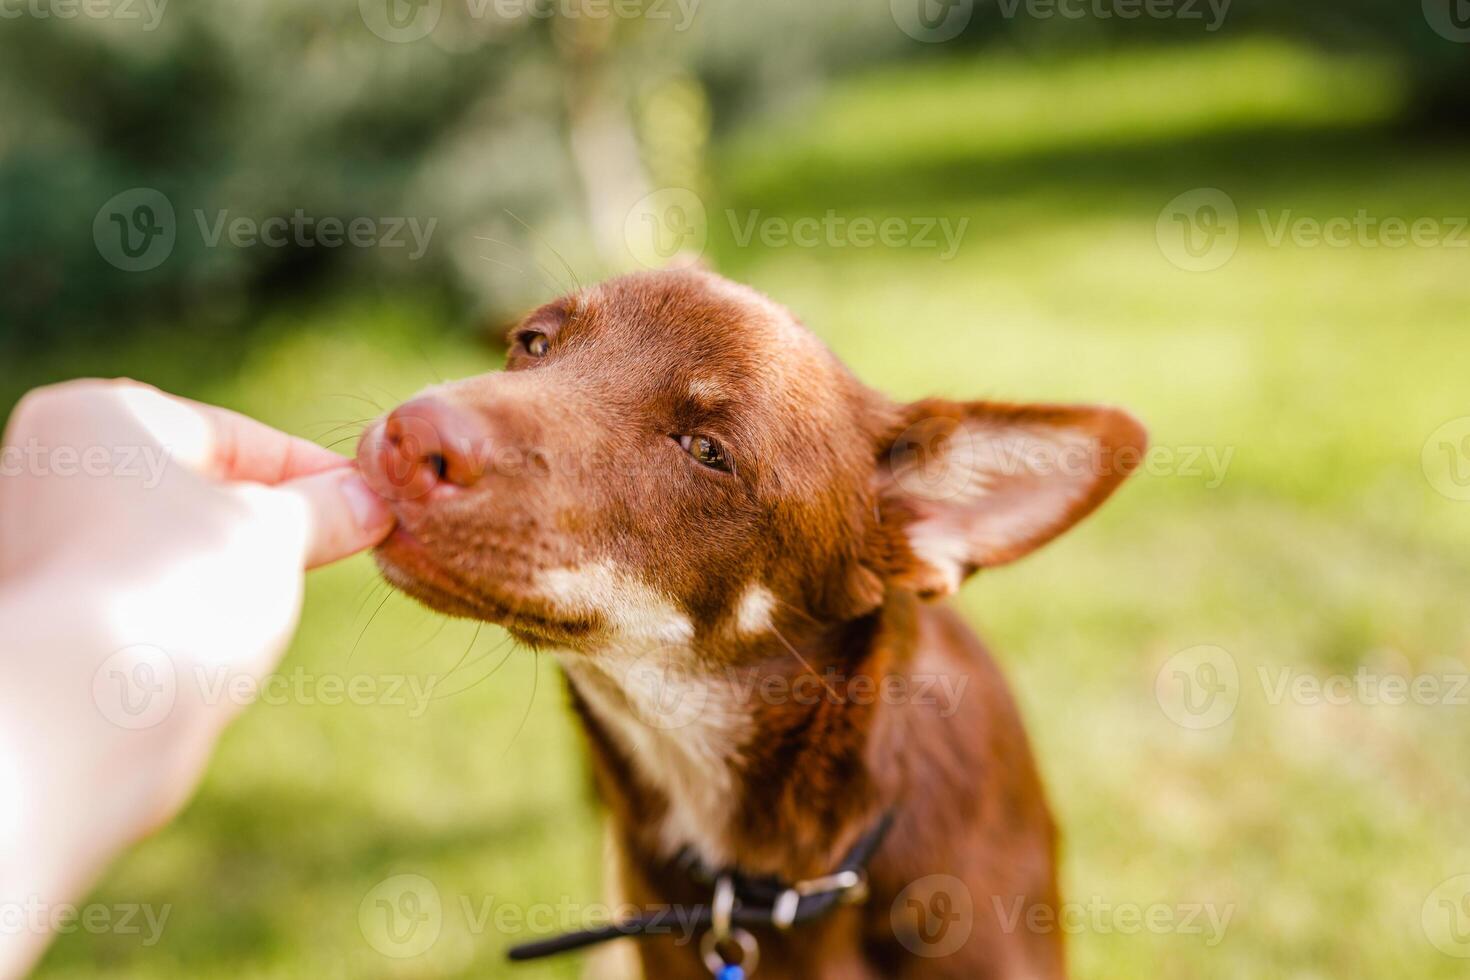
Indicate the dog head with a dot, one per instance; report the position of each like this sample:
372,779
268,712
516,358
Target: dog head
673,458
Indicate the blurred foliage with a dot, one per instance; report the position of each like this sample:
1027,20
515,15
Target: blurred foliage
281,106
259,110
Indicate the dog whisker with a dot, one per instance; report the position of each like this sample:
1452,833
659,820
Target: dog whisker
341,422
368,625
365,594
547,279
800,612
535,685
443,622
367,401
474,638
508,645
803,661
357,425
560,258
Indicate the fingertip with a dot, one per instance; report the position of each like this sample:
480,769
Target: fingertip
371,512
346,515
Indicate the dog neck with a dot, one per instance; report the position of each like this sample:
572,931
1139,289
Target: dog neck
768,757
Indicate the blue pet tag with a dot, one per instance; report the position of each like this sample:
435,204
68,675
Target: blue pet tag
732,972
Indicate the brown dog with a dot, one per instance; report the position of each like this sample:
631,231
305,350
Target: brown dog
729,540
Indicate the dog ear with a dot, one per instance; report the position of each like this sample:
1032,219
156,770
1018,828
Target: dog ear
963,486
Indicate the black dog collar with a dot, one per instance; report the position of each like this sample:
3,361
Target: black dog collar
740,902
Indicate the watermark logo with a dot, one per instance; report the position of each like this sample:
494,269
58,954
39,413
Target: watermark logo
1446,917
664,690
1198,688
402,916
1450,19
135,230
933,459
932,21
136,687
1199,230
668,228
934,916
1446,459
401,21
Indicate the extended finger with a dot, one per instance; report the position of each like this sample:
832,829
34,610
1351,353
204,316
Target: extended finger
344,515
222,443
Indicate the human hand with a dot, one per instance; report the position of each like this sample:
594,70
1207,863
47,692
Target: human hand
144,541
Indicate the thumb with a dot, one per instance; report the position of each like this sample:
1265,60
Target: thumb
344,515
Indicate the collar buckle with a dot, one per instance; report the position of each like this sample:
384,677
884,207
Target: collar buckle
723,935
851,886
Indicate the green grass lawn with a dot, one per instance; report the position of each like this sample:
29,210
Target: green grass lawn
1319,373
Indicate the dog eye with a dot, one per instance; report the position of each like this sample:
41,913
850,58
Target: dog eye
706,451
536,344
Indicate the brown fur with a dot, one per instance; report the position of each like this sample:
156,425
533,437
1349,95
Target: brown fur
566,463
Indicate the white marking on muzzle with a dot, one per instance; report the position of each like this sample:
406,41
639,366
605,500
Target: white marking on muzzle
634,611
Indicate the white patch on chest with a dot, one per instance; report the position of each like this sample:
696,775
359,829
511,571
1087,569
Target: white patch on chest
677,720
681,728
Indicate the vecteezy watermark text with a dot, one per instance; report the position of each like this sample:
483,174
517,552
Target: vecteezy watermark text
1365,686
402,916
939,457
139,686
406,21
1199,230
150,12
36,916
34,458
1362,229
671,226
1102,917
668,692
1211,13
934,916
679,14
937,21
305,231
833,230
1199,688
137,230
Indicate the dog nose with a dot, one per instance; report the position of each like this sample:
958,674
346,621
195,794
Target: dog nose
447,442
425,444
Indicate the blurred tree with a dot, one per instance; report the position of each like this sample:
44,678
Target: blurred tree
487,117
